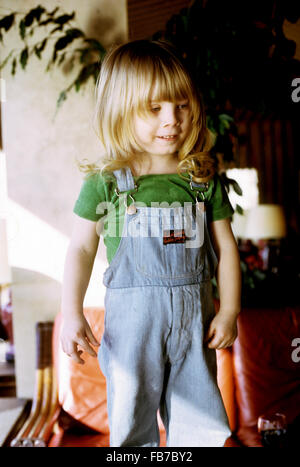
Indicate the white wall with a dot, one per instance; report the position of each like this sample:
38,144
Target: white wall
42,179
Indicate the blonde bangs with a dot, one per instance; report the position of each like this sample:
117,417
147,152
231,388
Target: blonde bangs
158,81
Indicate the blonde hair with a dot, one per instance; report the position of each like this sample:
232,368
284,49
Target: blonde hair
129,74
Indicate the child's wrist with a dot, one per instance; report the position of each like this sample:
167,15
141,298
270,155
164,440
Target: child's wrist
230,312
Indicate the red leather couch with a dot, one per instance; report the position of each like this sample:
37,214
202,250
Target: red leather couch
257,375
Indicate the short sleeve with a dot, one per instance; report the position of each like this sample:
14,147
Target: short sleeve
91,194
219,206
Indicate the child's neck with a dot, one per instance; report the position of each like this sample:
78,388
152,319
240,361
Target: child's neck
155,165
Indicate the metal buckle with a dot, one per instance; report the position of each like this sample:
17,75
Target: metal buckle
118,193
197,191
206,184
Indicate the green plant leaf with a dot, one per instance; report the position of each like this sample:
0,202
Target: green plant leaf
58,28
39,49
24,57
239,209
22,28
236,187
7,22
84,54
46,21
52,13
33,14
28,20
14,66
38,11
61,98
61,58
62,42
226,117
185,23
2,65
63,19
95,45
86,72
74,33
260,275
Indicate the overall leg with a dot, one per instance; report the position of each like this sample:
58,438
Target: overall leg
132,359
191,407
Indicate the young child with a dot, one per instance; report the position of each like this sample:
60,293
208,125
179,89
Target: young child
157,202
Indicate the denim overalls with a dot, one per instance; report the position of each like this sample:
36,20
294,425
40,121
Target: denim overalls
158,306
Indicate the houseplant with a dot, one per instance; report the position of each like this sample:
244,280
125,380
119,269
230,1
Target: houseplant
243,63
71,47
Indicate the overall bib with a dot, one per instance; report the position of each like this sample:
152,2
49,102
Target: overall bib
158,306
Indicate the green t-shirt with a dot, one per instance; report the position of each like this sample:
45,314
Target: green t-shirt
152,188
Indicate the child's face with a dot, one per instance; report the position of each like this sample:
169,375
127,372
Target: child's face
165,129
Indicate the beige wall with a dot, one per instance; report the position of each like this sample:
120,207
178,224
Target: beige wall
43,181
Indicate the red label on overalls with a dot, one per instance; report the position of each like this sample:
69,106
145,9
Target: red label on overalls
174,236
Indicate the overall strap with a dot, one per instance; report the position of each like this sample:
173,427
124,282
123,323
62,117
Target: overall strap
202,186
125,179
199,188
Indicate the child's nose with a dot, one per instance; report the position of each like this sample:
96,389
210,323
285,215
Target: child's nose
170,117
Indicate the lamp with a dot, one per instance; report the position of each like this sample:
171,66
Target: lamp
265,224
265,221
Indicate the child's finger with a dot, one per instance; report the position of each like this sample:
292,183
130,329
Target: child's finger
91,336
210,334
215,342
84,344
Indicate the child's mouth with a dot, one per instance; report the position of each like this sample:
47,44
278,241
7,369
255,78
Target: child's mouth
168,138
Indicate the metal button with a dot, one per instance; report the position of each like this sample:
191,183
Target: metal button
131,209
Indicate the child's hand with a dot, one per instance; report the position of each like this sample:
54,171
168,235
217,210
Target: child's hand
222,331
76,331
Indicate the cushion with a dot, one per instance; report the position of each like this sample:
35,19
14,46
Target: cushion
266,376
82,388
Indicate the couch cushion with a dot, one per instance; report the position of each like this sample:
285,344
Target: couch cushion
226,384
82,388
266,377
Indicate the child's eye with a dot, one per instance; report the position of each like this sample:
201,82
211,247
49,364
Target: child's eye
179,106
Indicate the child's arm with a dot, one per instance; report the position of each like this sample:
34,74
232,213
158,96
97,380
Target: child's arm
223,328
78,268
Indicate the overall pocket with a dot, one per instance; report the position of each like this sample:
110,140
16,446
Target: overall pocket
169,244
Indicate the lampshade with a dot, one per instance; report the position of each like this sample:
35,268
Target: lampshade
265,221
